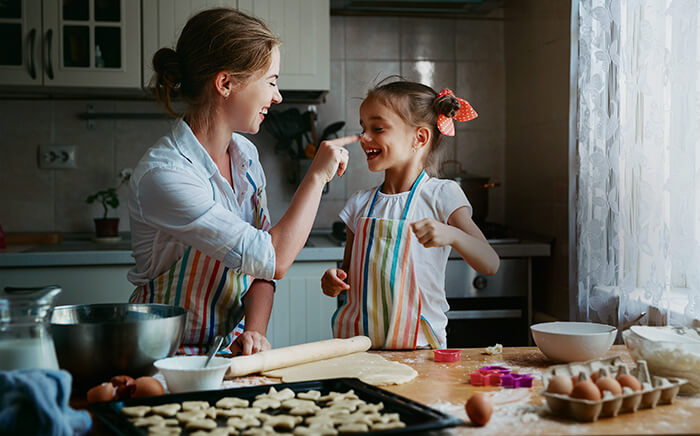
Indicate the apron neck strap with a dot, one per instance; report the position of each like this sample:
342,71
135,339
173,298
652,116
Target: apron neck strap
414,189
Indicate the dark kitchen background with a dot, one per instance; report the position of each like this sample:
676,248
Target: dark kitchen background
510,61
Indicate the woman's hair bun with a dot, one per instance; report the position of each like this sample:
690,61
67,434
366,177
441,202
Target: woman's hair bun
447,105
166,64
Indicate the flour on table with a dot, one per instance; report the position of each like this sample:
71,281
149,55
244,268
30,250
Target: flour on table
370,368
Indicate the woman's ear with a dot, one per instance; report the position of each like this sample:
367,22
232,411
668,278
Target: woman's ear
223,84
423,135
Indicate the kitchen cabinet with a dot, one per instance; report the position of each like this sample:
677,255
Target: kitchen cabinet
85,43
301,312
303,26
80,284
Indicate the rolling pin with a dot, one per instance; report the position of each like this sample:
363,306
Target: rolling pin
296,355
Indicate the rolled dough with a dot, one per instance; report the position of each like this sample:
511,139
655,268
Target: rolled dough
369,367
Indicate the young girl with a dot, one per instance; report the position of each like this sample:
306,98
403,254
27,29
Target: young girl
200,229
400,233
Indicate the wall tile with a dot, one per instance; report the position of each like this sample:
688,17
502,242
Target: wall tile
437,75
482,85
423,39
479,40
337,38
375,38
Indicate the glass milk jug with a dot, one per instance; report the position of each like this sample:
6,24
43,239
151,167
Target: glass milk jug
25,330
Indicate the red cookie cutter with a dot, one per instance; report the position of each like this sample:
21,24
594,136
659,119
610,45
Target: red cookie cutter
448,355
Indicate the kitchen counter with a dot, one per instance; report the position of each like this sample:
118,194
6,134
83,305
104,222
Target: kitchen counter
319,247
444,386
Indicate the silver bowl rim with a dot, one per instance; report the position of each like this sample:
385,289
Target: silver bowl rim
178,311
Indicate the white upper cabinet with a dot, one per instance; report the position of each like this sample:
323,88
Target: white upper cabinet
303,26
74,43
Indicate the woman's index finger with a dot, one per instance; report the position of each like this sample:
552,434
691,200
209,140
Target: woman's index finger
345,140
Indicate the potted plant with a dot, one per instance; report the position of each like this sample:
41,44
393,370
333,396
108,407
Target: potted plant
109,198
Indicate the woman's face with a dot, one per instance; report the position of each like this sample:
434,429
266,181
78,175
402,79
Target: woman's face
248,105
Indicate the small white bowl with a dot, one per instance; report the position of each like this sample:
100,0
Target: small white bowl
186,373
573,341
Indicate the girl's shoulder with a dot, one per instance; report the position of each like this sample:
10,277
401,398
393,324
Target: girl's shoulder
435,185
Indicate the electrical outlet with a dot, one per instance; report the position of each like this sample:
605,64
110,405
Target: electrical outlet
56,156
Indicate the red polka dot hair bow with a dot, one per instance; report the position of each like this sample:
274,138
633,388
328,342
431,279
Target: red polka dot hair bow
465,113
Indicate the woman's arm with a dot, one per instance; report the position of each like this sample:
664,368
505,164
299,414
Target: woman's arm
290,233
257,305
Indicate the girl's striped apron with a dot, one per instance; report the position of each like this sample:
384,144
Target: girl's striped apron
211,292
384,301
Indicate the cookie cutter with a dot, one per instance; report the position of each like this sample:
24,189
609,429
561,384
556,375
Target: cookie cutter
447,355
500,376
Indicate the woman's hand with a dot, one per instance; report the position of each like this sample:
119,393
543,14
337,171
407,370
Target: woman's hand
249,342
332,158
431,233
332,282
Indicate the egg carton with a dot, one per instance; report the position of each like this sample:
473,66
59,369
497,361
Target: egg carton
655,390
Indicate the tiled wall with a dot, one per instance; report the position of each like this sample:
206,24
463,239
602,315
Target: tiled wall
464,55
537,145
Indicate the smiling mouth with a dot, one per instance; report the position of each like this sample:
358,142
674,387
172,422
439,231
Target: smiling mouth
372,153
262,113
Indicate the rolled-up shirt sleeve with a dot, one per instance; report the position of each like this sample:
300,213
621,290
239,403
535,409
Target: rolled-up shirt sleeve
183,207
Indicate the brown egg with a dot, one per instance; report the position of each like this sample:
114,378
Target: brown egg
146,387
629,381
609,384
560,384
479,408
594,376
104,392
586,390
125,386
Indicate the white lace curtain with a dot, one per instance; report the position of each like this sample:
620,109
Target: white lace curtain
638,199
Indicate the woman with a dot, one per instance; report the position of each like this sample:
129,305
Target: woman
201,231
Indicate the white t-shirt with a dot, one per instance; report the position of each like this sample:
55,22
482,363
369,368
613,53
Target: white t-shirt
179,199
438,199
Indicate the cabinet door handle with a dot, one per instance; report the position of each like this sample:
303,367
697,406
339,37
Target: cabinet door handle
49,65
32,63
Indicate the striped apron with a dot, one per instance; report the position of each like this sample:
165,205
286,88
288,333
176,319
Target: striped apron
384,300
210,292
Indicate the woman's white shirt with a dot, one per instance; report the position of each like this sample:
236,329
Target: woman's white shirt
179,199
437,200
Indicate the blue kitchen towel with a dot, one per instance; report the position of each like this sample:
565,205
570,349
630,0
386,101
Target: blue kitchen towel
35,402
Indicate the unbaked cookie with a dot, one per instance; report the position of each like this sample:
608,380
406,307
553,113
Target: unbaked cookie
353,428
194,405
231,402
137,411
309,395
243,423
201,424
314,431
166,409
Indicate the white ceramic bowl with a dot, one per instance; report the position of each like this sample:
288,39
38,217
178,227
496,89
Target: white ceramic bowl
573,341
186,373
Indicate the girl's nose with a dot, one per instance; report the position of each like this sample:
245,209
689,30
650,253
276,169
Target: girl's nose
364,137
277,97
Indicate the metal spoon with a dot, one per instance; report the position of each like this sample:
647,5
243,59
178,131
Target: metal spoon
216,344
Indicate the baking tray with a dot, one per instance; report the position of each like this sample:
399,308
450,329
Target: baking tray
416,416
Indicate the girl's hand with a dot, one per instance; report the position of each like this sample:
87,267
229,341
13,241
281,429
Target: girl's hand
431,233
249,342
332,158
332,282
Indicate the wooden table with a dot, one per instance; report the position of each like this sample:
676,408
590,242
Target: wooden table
445,386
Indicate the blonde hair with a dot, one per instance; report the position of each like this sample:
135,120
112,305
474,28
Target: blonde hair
417,105
212,41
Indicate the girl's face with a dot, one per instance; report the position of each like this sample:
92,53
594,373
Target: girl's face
387,139
248,105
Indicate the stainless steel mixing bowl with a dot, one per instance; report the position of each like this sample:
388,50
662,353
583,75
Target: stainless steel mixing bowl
95,342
